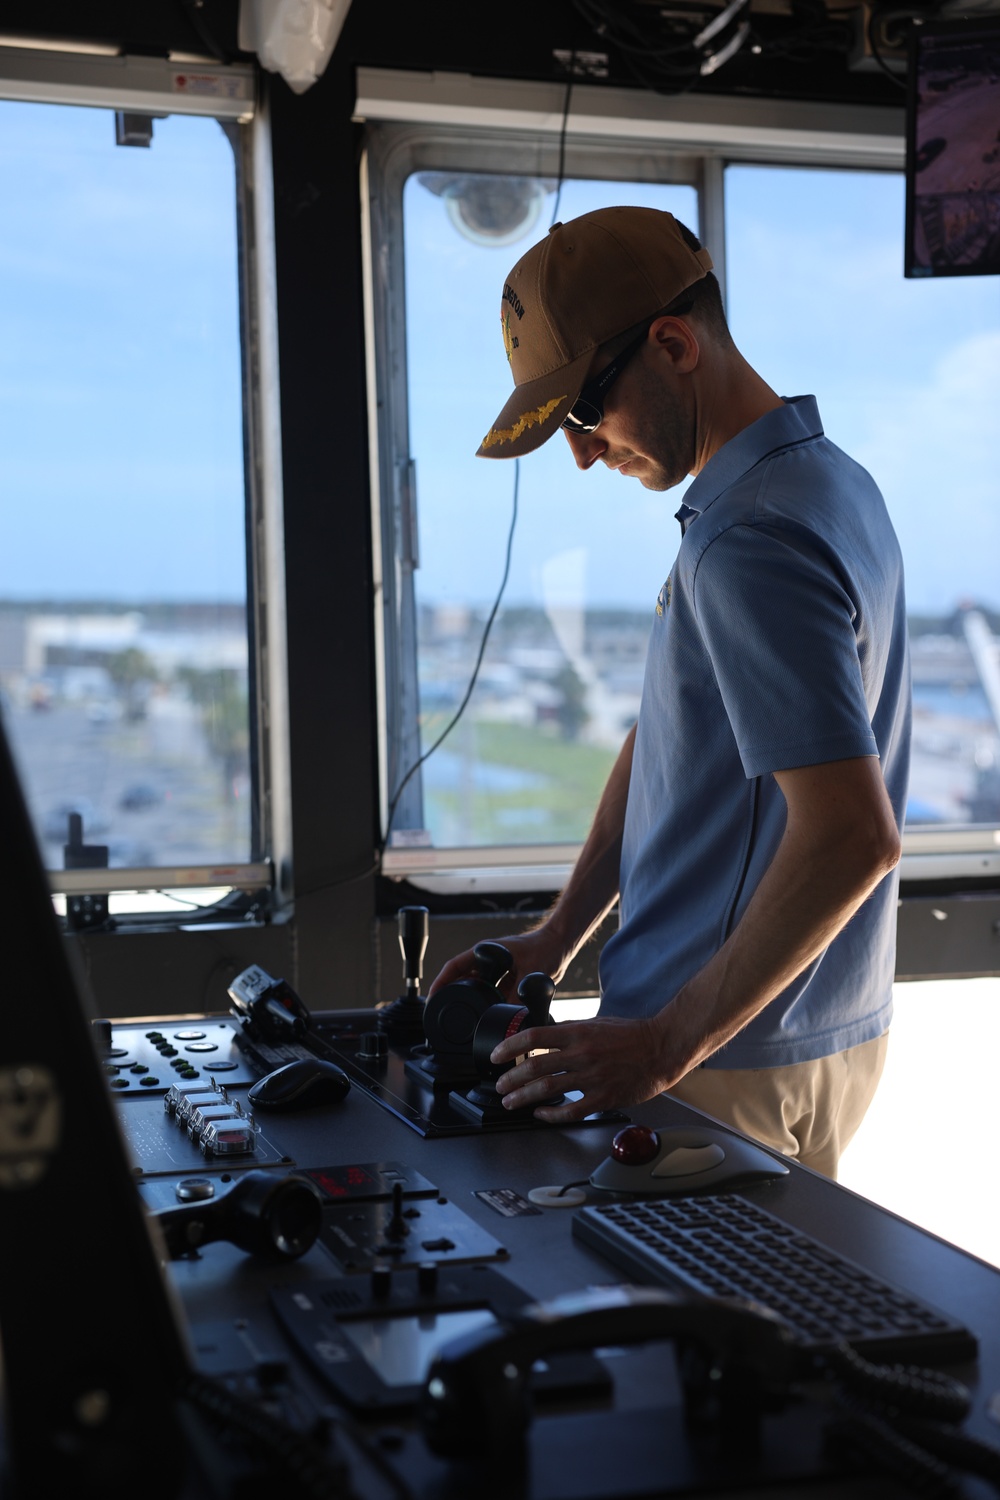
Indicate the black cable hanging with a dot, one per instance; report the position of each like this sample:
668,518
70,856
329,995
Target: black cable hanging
561,169
422,759
876,16
475,671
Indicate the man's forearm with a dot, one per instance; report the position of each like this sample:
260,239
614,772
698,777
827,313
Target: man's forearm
592,888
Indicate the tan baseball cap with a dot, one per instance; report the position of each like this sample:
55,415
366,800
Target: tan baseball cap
585,283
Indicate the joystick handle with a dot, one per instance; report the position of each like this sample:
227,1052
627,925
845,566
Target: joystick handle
493,961
413,929
535,993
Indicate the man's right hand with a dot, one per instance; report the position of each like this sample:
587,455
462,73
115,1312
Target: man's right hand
535,952
590,894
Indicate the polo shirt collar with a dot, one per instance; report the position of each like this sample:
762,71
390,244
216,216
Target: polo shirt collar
797,420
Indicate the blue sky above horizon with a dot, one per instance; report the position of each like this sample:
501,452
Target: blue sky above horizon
121,445
121,464
907,374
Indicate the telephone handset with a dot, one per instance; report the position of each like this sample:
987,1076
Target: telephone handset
475,1400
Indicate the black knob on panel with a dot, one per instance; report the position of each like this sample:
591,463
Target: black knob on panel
493,961
413,930
397,1227
535,992
495,1026
195,1189
452,1013
374,1045
102,1035
427,1278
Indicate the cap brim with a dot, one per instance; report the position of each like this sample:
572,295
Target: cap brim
535,411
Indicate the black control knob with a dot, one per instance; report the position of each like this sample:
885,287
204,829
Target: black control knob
374,1046
102,1035
413,932
452,1014
493,962
397,1227
427,1278
498,1024
195,1189
402,1020
495,1026
276,1218
535,991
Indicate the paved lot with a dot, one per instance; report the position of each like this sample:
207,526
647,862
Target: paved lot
192,817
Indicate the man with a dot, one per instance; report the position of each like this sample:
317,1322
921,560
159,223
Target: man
752,821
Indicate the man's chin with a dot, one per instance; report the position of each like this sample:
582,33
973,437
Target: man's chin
650,476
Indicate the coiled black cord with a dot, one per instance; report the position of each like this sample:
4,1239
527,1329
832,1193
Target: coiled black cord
901,1418
307,1472
954,1447
875,1441
906,1388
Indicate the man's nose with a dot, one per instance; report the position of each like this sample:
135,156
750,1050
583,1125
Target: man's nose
587,447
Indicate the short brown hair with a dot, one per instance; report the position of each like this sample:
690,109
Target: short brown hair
703,299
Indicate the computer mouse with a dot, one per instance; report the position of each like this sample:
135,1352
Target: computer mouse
677,1159
303,1084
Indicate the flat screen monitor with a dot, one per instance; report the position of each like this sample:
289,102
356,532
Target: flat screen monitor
953,149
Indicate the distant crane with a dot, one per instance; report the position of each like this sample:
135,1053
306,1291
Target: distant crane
985,655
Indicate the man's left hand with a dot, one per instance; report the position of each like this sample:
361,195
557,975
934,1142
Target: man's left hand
610,1060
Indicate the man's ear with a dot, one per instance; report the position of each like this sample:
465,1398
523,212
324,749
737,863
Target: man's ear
677,338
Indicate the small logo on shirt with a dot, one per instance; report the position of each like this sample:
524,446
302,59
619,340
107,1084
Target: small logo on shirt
663,598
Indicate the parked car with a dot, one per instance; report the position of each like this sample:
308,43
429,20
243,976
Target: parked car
139,796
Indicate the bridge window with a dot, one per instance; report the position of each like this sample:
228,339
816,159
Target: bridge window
124,659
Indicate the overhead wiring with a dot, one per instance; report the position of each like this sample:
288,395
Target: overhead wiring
670,50
561,169
877,19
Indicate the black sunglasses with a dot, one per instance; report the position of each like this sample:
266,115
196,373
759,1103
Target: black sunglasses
587,412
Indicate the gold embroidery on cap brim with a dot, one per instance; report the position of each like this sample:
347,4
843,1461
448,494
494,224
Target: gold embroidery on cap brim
526,420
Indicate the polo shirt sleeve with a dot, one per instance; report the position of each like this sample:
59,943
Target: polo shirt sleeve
781,627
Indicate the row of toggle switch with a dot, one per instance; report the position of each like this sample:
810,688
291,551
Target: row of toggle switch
214,1121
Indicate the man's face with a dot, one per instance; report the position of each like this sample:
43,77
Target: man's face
648,431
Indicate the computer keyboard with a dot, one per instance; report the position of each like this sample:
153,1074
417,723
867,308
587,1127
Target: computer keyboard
726,1246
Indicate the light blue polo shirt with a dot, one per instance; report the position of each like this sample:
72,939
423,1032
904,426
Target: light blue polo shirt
779,641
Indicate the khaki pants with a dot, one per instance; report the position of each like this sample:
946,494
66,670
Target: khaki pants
807,1110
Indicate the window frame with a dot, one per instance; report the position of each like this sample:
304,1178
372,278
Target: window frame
227,93
447,122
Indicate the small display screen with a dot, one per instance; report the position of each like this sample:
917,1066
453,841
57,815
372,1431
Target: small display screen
349,1182
400,1350
953,150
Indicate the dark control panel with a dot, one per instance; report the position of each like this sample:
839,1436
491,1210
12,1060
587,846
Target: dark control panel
140,1059
402,1312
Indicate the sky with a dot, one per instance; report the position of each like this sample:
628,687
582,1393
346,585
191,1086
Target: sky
907,374
121,462
121,466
